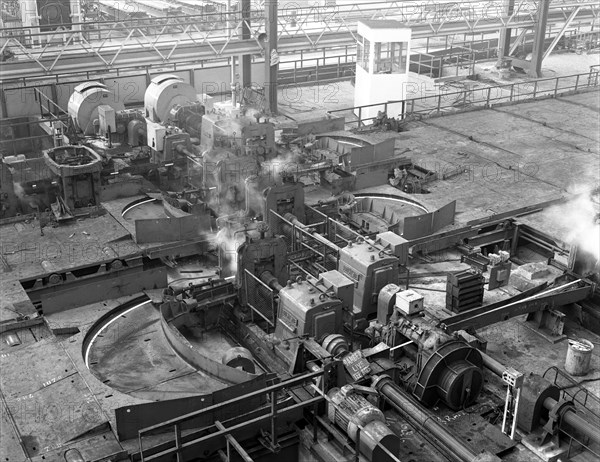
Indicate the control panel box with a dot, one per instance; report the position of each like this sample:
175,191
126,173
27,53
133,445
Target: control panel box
341,286
409,302
155,135
107,117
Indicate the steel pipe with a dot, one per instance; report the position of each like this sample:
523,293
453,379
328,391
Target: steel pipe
309,231
571,418
493,365
422,419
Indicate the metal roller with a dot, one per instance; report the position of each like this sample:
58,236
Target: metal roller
420,418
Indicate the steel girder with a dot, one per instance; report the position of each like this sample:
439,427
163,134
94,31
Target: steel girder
131,43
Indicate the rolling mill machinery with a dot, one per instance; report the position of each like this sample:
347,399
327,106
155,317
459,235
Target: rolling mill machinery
154,141
298,309
404,361
380,347
370,263
163,142
116,144
179,139
183,140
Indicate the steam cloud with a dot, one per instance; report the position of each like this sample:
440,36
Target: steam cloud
580,216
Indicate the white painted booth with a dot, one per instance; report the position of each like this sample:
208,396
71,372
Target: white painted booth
382,63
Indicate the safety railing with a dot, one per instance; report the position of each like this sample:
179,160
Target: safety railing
318,68
594,74
260,299
16,146
338,233
275,409
474,98
48,108
438,65
574,391
308,246
589,405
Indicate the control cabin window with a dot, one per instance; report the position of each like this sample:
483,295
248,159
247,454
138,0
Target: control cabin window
390,58
363,47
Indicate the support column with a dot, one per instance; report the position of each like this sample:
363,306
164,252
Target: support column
76,17
535,68
271,64
246,60
234,81
505,34
561,32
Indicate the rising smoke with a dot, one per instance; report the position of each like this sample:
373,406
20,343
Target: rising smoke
25,200
579,216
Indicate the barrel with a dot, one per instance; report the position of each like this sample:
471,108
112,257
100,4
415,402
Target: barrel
579,356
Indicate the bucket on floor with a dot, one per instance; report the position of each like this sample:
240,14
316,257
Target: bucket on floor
579,356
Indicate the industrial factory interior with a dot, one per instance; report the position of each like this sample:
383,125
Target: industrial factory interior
299,230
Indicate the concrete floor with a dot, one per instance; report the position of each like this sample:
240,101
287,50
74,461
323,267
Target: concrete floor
513,155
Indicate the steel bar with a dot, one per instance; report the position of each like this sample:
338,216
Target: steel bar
280,386
571,418
495,366
197,442
517,42
558,36
422,419
547,299
460,317
237,446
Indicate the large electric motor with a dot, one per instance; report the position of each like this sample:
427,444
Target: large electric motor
349,410
164,93
86,101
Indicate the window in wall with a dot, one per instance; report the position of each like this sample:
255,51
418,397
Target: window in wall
362,53
390,58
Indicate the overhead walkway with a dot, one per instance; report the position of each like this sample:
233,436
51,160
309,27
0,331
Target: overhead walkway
114,46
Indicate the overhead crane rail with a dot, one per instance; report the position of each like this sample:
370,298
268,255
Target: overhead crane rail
206,36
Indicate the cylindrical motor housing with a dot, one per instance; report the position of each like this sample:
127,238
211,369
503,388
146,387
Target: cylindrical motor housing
165,92
349,410
84,101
